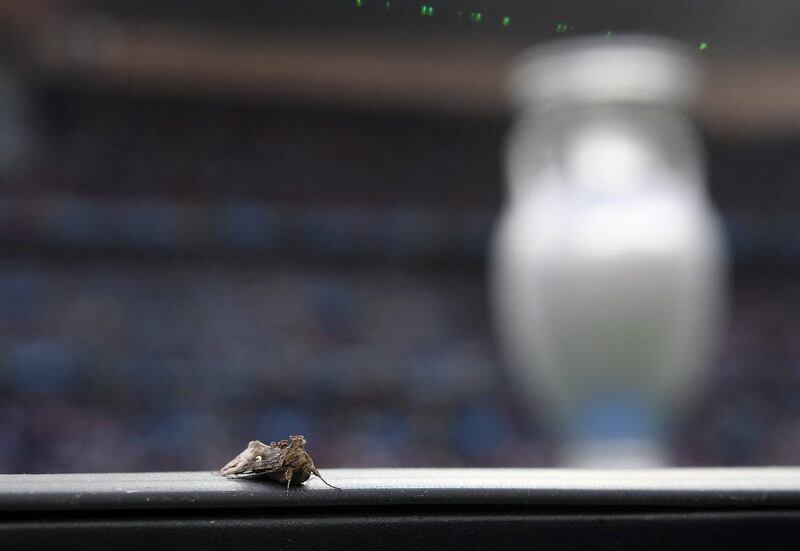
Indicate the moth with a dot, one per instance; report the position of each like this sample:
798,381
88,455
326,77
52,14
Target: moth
284,461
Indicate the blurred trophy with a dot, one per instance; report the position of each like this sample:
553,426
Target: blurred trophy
608,262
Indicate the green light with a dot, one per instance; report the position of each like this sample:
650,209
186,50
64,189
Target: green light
703,46
387,5
506,21
476,16
426,11
359,3
609,34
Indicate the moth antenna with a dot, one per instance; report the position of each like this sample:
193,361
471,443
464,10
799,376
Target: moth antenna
316,472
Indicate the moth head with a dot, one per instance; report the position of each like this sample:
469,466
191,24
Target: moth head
297,442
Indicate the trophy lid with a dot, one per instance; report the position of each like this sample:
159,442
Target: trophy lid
607,69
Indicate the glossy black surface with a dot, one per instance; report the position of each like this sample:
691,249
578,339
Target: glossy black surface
388,488
407,508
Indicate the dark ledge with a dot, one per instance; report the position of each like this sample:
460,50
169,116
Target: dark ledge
728,489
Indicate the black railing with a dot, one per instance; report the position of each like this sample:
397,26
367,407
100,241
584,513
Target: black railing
407,508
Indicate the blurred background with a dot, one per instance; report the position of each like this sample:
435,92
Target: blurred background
228,221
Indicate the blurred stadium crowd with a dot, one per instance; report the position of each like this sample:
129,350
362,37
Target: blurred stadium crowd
180,278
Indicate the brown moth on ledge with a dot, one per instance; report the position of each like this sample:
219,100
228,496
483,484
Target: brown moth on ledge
284,461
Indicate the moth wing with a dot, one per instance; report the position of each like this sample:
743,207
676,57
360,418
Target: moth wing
270,461
258,458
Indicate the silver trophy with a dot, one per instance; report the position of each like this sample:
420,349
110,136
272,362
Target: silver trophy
608,262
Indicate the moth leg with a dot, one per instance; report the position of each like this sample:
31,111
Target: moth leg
288,475
316,472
